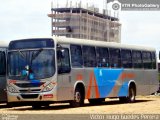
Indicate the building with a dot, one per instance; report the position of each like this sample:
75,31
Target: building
85,24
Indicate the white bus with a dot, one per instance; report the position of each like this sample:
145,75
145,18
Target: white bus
3,71
47,70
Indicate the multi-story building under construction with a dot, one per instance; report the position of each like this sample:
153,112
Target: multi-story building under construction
85,24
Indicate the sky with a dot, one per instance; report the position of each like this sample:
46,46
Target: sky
25,18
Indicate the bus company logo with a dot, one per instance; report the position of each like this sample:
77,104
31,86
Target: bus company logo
29,90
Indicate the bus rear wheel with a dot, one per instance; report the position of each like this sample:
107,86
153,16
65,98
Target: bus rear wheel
131,96
78,98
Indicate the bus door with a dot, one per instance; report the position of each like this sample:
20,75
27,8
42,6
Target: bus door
3,94
64,76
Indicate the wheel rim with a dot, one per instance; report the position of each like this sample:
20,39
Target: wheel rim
132,95
78,97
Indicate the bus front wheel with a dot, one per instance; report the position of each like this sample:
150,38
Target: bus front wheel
78,98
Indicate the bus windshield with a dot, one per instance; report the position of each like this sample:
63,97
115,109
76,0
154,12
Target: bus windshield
31,64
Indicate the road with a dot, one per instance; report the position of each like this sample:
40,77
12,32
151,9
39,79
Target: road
143,105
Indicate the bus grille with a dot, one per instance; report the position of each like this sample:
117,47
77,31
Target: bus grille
29,96
27,85
34,90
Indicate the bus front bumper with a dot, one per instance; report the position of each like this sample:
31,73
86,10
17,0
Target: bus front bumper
24,97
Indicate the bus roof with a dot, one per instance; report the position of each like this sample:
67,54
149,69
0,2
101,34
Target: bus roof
65,40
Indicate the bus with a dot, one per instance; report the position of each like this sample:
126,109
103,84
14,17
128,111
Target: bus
3,71
42,71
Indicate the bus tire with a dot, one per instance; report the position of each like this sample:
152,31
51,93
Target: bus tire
78,98
131,95
96,101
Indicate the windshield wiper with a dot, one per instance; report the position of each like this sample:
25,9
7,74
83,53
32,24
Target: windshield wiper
21,54
34,55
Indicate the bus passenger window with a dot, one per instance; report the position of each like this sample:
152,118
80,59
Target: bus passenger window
89,56
126,58
63,61
153,60
76,56
2,63
137,59
102,57
147,61
115,57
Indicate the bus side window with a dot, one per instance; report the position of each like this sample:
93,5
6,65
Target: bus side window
102,57
63,60
153,60
115,57
126,58
137,59
147,61
76,56
89,56
2,63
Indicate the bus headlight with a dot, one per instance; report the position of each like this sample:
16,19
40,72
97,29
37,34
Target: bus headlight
12,89
48,87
